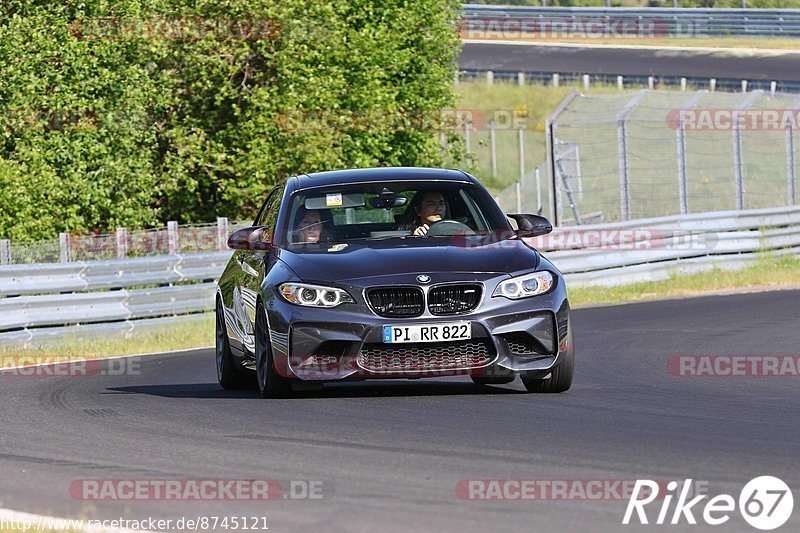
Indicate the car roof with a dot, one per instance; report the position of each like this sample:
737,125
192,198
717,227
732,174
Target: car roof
361,175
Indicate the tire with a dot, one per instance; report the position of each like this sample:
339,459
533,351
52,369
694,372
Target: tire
560,379
481,380
229,375
270,384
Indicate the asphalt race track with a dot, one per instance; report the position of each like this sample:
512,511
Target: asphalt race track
631,61
390,455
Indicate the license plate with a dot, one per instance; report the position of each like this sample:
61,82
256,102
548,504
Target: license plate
450,331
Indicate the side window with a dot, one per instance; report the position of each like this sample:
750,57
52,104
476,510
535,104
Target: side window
269,213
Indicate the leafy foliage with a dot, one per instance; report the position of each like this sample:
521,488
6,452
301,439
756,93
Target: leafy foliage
109,116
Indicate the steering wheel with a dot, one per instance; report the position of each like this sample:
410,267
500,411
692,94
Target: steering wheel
448,228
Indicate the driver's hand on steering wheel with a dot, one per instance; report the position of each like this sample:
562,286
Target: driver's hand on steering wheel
422,230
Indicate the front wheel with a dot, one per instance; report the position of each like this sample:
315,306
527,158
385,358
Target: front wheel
560,378
270,384
229,375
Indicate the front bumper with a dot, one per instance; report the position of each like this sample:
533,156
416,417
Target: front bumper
345,343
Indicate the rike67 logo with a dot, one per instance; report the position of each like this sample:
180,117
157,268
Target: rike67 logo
765,503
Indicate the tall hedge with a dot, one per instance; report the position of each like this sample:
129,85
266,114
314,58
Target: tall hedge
109,116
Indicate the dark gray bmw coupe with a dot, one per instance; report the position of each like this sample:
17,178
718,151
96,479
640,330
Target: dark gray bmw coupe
390,273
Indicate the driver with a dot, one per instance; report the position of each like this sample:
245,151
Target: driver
429,207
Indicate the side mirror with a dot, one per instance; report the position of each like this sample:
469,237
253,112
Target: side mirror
256,238
532,225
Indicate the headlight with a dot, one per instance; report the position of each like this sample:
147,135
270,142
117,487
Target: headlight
313,295
524,286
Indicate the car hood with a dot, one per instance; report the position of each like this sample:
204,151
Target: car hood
378,258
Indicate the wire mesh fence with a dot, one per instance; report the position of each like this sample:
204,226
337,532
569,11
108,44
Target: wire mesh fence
173,239
662,153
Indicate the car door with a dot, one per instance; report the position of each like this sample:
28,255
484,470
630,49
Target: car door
254,264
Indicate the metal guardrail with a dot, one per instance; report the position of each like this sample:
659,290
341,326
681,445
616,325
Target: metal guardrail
629,81
655,249
51,303
658,22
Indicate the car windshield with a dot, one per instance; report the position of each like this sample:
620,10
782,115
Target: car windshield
393,210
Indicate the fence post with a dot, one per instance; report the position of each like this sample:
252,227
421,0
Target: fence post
65,248
521,78
738,163
518,190
651,82
586,81
683,187
5,252
712,84
683,84
172,237
222,233
538,189
489,77
683,192
122,243
493,148
521,136
620,83
773,86
622,151
556,80
466,137
624,184
790,173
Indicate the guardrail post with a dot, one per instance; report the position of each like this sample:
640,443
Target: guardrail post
790,173
493,148
5,252
222,233
65,248
172,237
122,243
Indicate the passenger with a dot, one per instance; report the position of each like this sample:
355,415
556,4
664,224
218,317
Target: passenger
426,208
309,226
